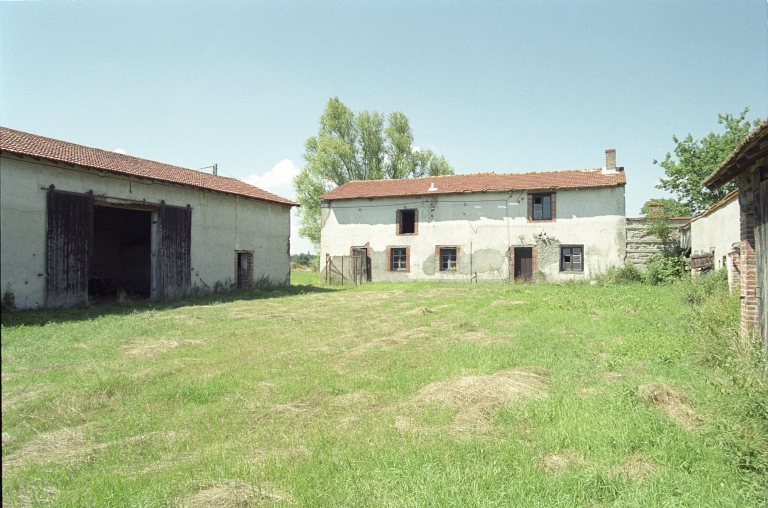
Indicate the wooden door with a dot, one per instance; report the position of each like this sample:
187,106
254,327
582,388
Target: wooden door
175,277
70,241
523,263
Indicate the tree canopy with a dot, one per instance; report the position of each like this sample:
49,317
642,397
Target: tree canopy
672,207
357,146
696,159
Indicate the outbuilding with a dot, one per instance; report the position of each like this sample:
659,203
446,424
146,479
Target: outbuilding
82,224
747,165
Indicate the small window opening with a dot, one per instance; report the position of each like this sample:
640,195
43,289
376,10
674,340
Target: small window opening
447,259
571,259
407,222
399,259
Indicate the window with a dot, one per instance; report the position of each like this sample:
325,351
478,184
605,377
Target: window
447,259
541,206
398,259
407,222
571,259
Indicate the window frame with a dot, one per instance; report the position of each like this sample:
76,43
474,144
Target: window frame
391,259
552,206
399,221
451,267
563,262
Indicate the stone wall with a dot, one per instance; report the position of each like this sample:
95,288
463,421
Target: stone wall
641,244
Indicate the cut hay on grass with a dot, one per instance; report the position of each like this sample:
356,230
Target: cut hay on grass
671,401
496,303
637,467
476,397
553,463
235,494
61,446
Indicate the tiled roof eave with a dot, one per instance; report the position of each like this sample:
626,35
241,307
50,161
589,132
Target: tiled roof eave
146,175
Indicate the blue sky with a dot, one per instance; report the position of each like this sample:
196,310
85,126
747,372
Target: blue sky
493,86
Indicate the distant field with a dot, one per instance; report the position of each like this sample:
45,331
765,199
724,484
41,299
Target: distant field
383,395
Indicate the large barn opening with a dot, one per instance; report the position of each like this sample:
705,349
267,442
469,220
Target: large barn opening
121,264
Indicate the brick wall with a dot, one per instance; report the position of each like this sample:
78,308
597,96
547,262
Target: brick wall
748,274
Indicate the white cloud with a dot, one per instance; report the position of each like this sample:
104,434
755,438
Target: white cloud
278,180
415,149
121,151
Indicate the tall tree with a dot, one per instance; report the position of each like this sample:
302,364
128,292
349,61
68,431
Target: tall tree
672,207
359,146
696,159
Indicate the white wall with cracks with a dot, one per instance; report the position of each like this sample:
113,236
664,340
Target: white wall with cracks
484,225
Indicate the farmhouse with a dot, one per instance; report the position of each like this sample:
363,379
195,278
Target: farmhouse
557,226
748,166
708,239
80,223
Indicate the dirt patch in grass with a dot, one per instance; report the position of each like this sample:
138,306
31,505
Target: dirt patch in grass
612,377
476,397
671,401
399,336
235,494
637,467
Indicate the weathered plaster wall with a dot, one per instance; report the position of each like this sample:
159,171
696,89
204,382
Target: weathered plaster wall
221,224
484,226
717,232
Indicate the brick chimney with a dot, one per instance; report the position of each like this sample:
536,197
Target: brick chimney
610,159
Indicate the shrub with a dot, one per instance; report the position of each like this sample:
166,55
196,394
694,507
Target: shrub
625,275
663,268
702,287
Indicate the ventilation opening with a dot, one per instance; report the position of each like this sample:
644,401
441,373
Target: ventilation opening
121,264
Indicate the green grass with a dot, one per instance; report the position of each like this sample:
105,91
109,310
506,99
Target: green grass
310,396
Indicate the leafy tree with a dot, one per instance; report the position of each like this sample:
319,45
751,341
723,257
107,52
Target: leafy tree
360,146
696,159
672,207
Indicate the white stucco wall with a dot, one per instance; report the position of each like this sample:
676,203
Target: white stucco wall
484,226
221,224
717,232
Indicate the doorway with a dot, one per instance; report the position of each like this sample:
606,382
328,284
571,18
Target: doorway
121,263
523,264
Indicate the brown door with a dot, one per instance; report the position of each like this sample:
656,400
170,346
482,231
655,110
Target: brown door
523,263
175,250
70,241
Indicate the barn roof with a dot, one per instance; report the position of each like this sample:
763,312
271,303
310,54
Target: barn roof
25,144
752,148
479,182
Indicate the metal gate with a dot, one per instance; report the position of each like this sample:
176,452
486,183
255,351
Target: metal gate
346,269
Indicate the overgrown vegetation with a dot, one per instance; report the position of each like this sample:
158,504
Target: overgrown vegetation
389,395
306,261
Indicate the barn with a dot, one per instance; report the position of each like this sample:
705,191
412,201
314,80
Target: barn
83,225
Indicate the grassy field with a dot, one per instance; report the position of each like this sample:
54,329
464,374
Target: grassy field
384,395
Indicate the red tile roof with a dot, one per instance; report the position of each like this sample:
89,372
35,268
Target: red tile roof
727,199
479,182
23,143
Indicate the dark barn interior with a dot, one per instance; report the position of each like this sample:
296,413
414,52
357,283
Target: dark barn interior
122,253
